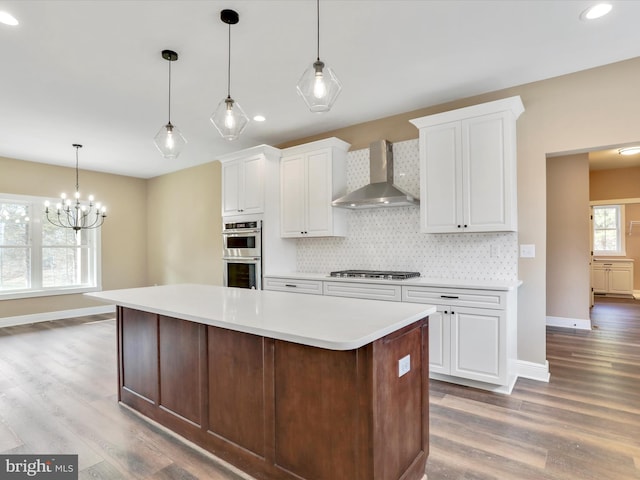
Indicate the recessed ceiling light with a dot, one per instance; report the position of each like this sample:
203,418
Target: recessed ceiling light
8,19
596,11
259,118
629,151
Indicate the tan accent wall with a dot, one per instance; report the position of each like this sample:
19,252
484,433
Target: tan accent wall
124,236
615,184
184,226
568,237
574,113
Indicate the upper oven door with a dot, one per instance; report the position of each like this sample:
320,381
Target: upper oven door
244,244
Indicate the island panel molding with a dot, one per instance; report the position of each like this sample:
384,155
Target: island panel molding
284,411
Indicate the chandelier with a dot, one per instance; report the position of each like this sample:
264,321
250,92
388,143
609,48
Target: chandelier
76,215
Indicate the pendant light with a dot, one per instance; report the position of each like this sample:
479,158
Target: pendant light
169,140
76,216
229,118
319,86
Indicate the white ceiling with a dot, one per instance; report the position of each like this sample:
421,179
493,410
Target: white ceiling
91,72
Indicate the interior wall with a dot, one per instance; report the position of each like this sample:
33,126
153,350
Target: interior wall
124,233
184,226
568,237
568,114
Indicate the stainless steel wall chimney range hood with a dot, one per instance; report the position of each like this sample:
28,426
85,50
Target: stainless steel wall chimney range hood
381,192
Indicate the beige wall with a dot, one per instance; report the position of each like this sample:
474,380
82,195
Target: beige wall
184,225
124,237
615,184
570,114
568,238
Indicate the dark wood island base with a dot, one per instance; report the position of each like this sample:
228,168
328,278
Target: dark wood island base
277,409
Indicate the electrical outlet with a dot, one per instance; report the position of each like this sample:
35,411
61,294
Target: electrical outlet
527,251
404,365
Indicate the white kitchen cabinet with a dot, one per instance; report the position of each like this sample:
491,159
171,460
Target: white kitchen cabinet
243,180
284,284
468,168
614,277
311,176
472,336
372,291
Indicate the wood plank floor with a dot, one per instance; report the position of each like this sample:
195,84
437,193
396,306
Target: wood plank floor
58,395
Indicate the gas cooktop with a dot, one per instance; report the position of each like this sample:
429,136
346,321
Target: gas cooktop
382,274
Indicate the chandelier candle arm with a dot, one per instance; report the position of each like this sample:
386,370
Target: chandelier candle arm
76,216
169,140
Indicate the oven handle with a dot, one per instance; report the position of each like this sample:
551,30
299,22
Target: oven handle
236,232
241,258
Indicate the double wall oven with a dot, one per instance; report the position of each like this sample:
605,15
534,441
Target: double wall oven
242,254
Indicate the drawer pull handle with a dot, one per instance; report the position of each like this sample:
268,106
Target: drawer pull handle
290,285
455,297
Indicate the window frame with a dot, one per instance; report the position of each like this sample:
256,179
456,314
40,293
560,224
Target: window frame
35,245
621,251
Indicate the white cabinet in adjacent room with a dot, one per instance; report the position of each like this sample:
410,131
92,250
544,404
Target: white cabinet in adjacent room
613,277
243,177
311,176
468,168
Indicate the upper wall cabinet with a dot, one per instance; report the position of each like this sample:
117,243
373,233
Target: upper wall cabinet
468,168
243,174
311,176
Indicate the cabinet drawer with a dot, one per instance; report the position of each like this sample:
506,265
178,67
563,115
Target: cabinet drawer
455,297
291,285
363,290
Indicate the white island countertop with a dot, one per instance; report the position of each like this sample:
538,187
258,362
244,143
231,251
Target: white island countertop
333,323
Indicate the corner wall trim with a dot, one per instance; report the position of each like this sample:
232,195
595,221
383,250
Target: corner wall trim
48,316
534,371
564,322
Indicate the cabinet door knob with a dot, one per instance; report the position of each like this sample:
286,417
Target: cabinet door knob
459,226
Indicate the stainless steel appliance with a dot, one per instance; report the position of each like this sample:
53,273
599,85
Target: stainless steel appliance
381,274
242,254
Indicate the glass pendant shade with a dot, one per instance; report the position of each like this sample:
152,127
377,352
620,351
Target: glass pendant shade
319,87
229,119
169,141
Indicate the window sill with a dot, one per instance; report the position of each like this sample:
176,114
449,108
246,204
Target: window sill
20,294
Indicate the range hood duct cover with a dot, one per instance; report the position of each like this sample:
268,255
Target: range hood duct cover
380,192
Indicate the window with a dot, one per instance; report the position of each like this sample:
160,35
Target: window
38,258
608,230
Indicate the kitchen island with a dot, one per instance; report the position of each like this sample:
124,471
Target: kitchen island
281,385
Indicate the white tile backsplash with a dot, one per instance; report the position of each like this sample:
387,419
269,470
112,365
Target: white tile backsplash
390,238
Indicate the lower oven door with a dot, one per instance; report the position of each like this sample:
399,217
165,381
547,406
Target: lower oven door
242,272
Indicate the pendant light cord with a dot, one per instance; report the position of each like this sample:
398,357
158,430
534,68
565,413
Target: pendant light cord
229,65
318,19
77,181
170,62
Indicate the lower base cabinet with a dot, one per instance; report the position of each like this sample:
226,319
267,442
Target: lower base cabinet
472,335
281,410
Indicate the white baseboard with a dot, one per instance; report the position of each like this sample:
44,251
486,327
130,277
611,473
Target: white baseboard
636,294
577,323
533,371
48,316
